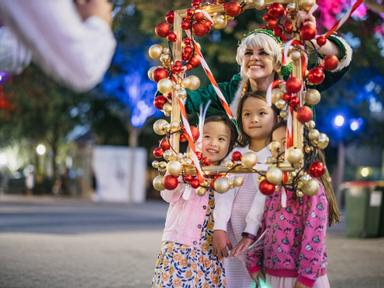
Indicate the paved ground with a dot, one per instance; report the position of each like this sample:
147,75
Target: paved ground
65,243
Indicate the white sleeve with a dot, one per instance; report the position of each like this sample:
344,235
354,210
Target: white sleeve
172,196
223,209
255,214
75,52
14,56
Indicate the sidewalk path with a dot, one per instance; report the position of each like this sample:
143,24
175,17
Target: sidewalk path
74,244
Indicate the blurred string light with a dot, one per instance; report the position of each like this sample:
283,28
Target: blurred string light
131,86
356,124
339,120
41,149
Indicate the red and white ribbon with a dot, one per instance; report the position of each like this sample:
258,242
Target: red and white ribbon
342,20
212,79
191,143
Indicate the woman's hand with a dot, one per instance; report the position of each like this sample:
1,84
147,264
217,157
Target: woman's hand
221,243
242,246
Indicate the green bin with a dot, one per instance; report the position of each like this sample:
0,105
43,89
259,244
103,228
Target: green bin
363,209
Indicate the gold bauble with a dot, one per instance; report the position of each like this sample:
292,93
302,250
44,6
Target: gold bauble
238,181
161,127
220,21
259,4
276,95
165,86
295,54
150,72
201,191
313,135
275,147
174,168
274,175
158,183
299,184
221,185
299,193
195,82
228,163
249,159
310,124
166,51
155,51
311,187
283,114
168,155
167,108
322,141
307,4
312,97
294,155
305,178
165,59
280,104
155,164
308,149
162,166
186,82
181,93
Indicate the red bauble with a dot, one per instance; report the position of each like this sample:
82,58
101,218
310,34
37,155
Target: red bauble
294,102
159,102
236,156
164,144
277,31
317,169
189,67
162,29
170,182
158,152
266,188
232,9
293,85
308,32
304,114
187,52
276,10
331,62
206,161
195,61
187,41
199,29
187,178
288,26
170,16
207,24
159,73
199,16
183,137
199,155
316,75
286,97
186,24
272,23
171,37
195,183
321,40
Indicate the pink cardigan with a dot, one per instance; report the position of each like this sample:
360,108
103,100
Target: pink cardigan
294,243
185,216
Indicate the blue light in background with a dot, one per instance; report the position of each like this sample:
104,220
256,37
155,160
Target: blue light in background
339,121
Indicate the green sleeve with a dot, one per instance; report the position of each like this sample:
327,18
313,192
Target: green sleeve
201,96
332,77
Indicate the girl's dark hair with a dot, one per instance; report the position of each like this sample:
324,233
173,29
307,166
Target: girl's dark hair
243,138
230,124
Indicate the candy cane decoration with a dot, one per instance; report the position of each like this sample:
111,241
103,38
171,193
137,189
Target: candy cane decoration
212,79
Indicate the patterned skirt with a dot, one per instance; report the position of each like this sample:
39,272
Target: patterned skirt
185,266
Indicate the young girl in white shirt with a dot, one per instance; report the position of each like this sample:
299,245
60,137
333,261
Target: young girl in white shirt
238,213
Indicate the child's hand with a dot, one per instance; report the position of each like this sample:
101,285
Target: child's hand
221,243
300,285
242,246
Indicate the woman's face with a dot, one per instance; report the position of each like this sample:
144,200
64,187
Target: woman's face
257,64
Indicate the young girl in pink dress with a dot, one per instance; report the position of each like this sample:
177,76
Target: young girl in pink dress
186,258
293,254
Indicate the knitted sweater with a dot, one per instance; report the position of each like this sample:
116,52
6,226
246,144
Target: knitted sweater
294,241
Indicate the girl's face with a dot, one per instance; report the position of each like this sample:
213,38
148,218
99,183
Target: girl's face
257,119
216,140
257,63
279,135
